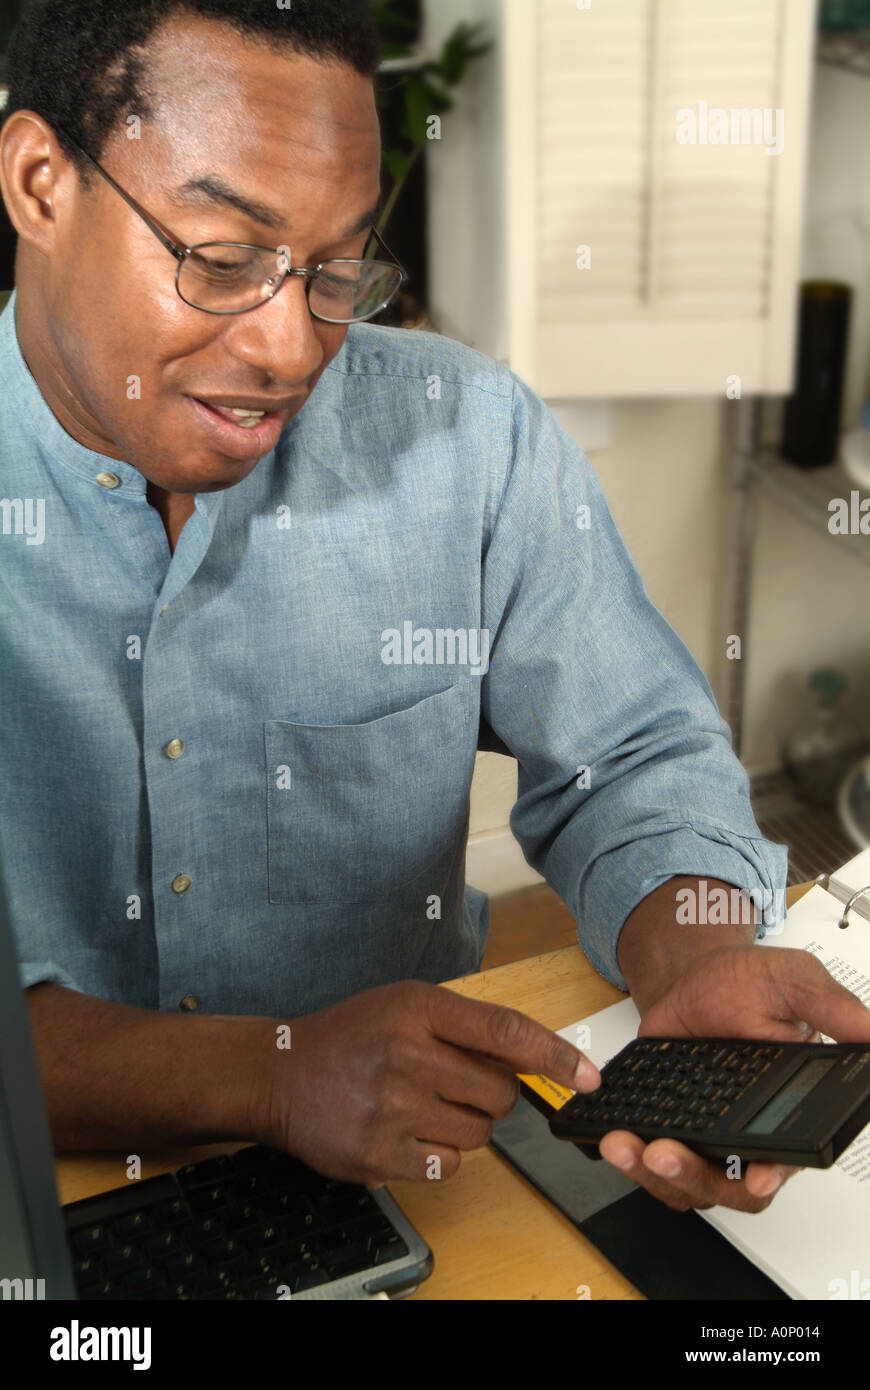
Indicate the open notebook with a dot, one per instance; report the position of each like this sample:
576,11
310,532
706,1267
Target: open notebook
814,1238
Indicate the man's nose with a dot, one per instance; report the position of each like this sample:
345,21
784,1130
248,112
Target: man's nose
278,337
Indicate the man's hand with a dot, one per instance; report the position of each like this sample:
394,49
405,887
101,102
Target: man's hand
376,1087
735,991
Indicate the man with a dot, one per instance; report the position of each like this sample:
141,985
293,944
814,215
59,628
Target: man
237,743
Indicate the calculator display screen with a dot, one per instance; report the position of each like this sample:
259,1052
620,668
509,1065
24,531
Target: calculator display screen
794,1090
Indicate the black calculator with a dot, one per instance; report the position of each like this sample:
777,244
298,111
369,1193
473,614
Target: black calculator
796,1103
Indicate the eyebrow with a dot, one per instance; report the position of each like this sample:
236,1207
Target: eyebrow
213,190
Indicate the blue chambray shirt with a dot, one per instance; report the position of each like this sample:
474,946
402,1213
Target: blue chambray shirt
295,644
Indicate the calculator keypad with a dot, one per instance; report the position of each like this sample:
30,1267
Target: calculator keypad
693,1084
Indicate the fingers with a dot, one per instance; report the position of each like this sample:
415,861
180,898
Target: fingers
787,1030
765,1179
421,1160
475,1081
432,1162
808,992
510,1037
805,1032
683,1179
457,1126
424,1162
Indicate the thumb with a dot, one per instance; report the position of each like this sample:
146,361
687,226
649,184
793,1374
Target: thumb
811,1000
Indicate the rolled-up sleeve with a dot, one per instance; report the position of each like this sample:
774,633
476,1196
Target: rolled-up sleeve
626,772
44,972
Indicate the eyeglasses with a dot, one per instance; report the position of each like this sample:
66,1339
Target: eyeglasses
231,277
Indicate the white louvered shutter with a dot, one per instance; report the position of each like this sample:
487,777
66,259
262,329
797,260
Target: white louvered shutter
566,136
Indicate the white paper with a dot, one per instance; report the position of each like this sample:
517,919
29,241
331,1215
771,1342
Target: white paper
814,1238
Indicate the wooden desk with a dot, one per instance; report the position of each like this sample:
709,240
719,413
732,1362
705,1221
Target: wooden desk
493,1235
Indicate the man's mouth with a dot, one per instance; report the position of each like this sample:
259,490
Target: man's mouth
246,418
242,429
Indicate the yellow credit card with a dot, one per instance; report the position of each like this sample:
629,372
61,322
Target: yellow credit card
543,1089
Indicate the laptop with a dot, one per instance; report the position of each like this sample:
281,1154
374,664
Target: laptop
256,1224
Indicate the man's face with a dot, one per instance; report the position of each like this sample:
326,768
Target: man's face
297,136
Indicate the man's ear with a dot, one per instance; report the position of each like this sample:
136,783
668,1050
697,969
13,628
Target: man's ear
34,176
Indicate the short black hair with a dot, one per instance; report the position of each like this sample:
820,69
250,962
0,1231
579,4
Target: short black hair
82,64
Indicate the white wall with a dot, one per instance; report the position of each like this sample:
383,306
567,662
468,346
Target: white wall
811,600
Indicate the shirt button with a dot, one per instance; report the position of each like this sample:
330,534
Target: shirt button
175,748
189,1003
109,480
181,883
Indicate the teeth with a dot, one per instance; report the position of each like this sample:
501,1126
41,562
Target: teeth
241,415
246,418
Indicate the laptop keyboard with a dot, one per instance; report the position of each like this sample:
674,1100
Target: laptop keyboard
240,1226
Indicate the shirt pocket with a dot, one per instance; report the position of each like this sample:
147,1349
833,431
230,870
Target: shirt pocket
357,811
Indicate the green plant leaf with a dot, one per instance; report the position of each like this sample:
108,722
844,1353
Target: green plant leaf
439,100
458,51
418,109
421,92
388,24
397,162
